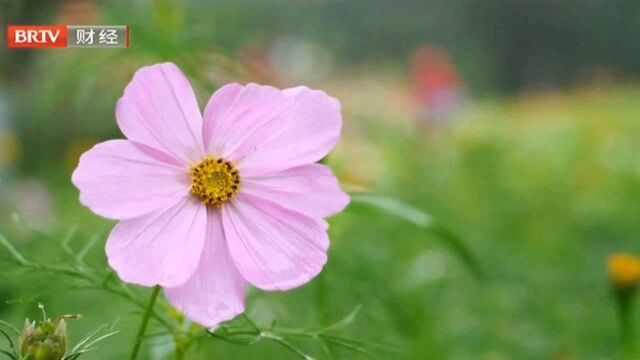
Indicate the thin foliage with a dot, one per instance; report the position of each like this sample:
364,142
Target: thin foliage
241,331
249,332
399,209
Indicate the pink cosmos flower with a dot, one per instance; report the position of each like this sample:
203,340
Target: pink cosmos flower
211,203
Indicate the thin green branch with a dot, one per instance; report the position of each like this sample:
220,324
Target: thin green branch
12,251
281,336
287,345
144,323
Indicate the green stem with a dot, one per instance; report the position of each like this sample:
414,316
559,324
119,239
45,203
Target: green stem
322,308
143,324
624,299
182,343
179,354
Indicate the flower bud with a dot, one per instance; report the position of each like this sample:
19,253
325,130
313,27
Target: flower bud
624,271
46,341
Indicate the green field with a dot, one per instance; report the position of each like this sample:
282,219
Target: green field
538,190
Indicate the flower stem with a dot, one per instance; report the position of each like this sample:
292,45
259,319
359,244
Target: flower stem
181,344
624,299
179,354
322,307
143,324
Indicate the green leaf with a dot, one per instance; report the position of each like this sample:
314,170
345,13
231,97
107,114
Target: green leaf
9,354
11,327
287,345
12,251
86,344
395,207
421,219
13,348
243,335
344,322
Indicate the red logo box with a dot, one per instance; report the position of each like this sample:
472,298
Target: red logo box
37,37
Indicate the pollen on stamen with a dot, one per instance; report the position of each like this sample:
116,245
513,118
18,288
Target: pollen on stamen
215,181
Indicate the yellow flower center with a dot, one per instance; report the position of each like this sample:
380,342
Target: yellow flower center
214,181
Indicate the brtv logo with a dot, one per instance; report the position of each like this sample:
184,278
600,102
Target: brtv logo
33,36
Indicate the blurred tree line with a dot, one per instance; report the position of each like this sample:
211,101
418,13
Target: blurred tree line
499,45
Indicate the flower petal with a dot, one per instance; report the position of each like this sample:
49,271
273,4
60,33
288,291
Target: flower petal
119,179
162,248
312,190
235,112
216,291
273,248
303,134
159,109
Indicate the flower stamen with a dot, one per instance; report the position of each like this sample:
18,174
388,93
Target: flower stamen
214,181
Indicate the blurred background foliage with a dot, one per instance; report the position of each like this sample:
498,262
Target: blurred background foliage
514,123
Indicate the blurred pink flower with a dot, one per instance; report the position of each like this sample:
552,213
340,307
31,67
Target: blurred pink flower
209,203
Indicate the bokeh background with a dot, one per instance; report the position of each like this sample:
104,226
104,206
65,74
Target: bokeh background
514,124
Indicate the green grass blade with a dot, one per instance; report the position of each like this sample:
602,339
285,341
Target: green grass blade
421,219
11,327
9,354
